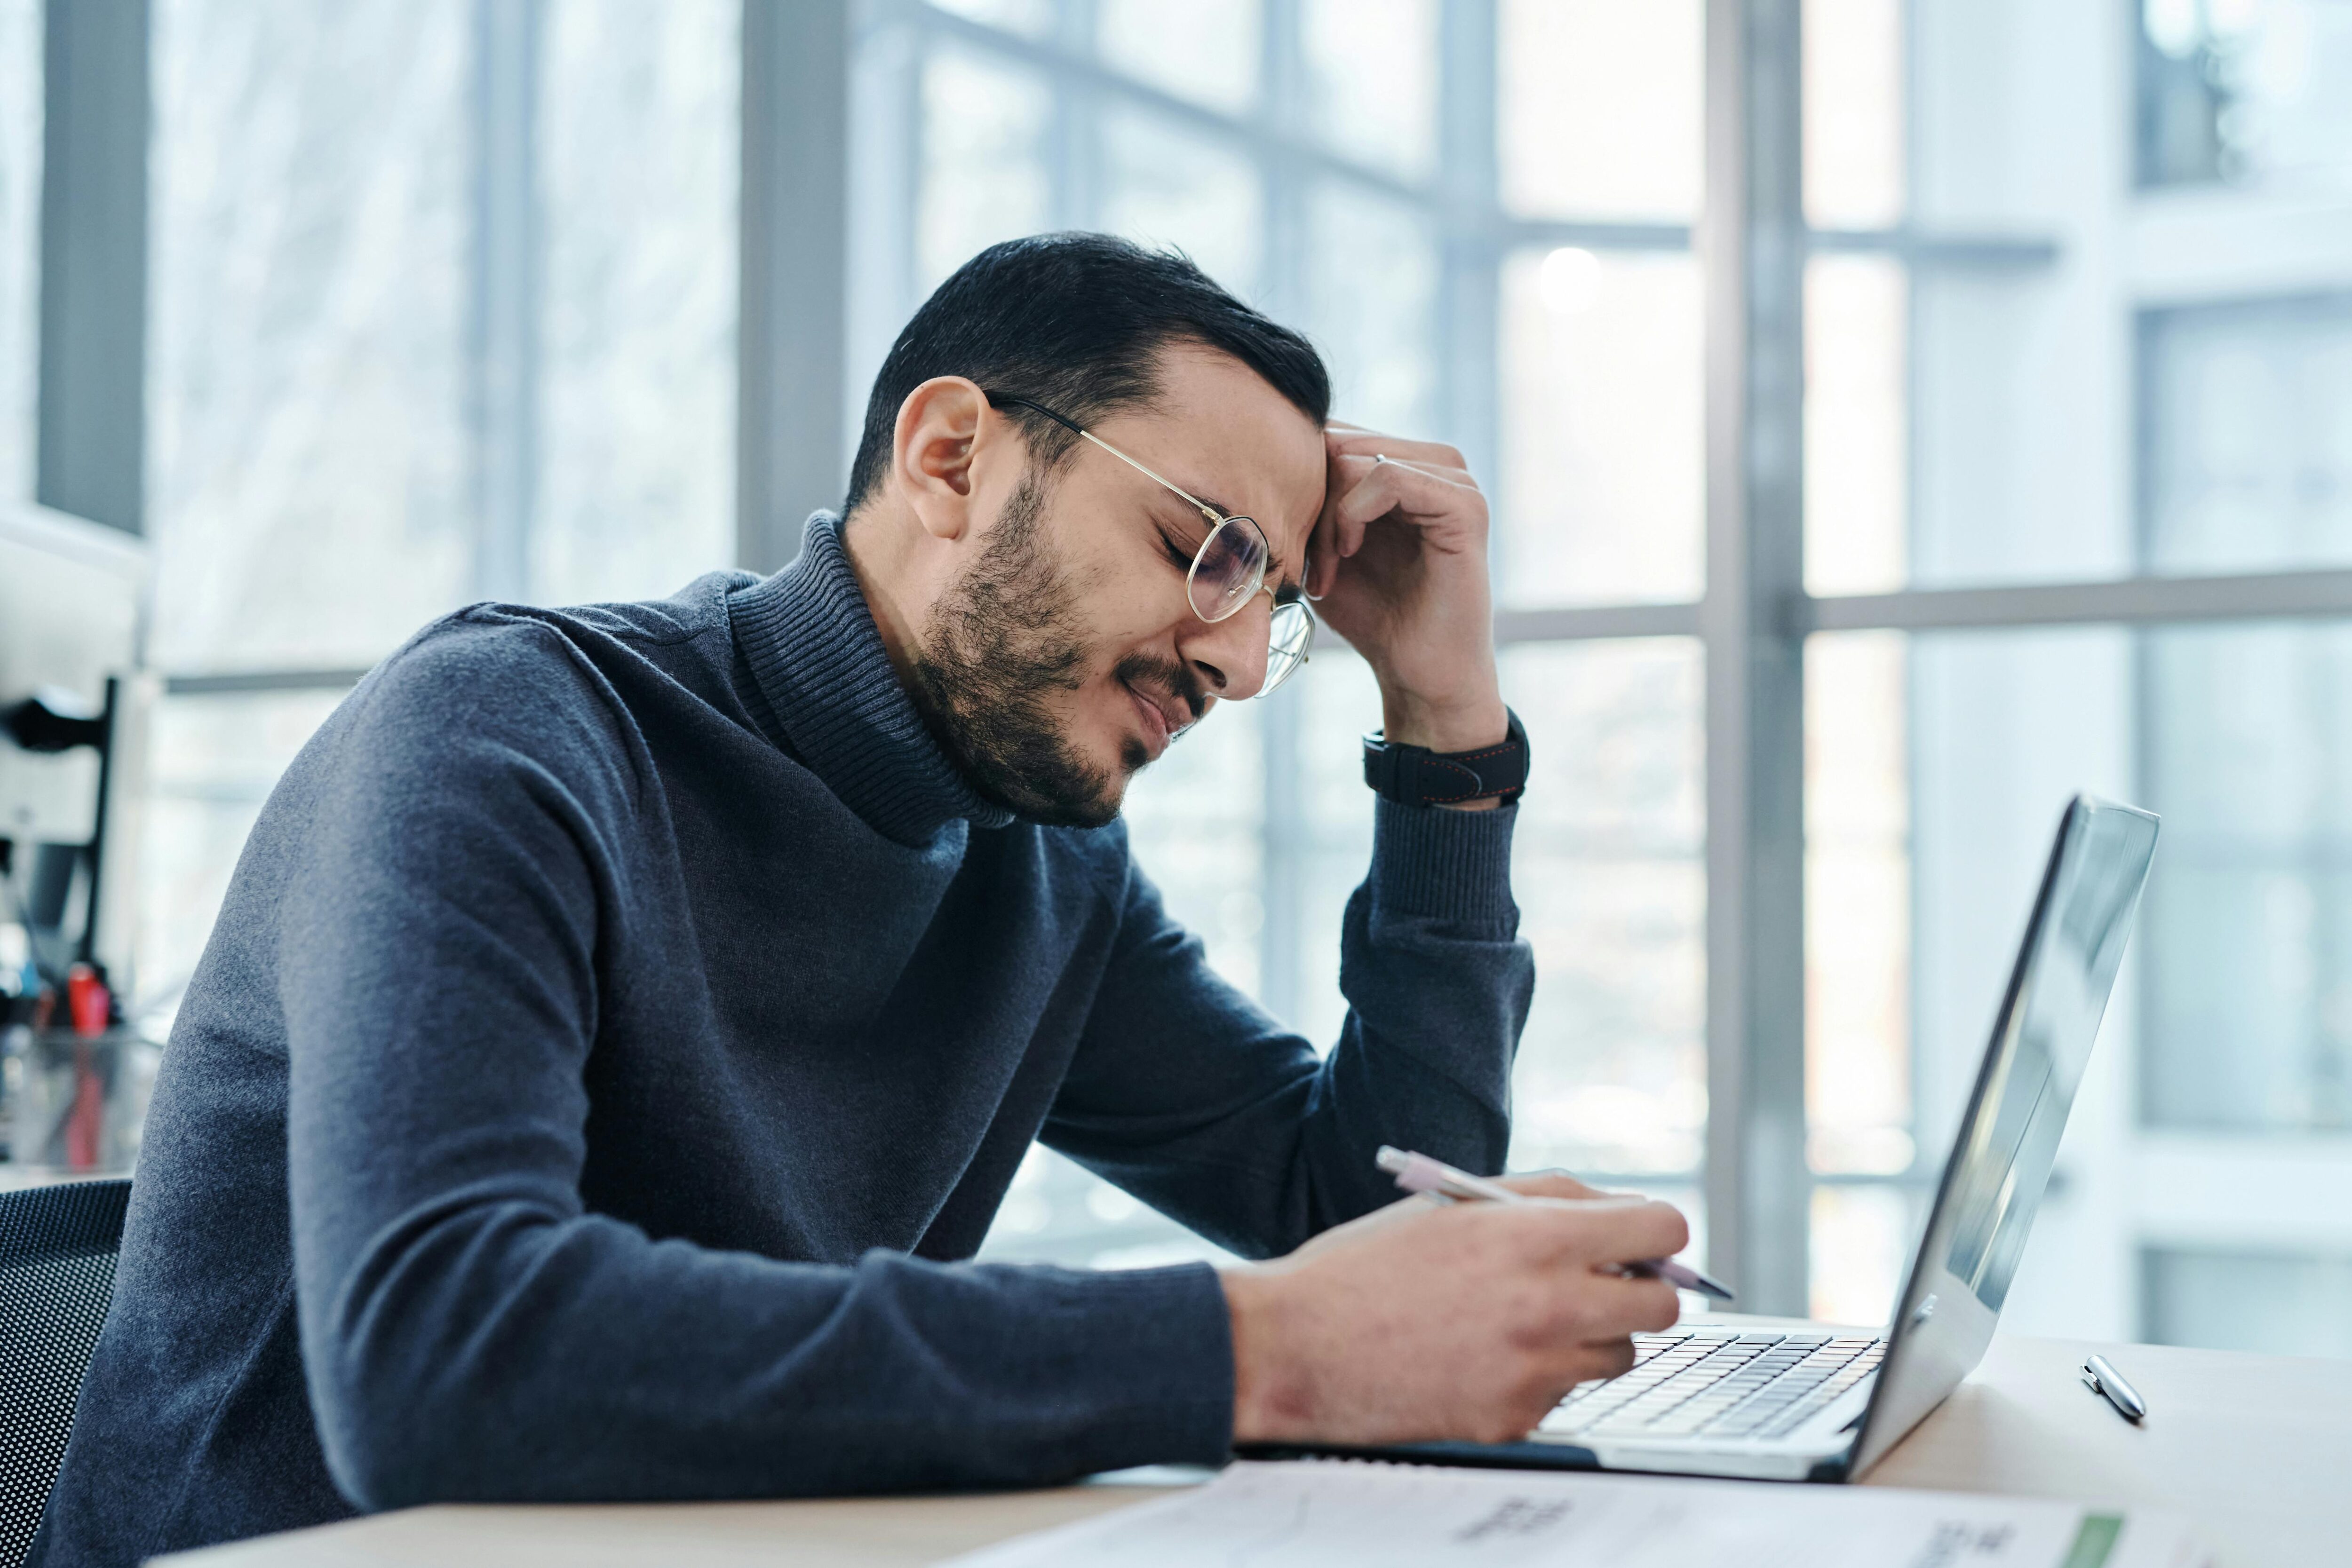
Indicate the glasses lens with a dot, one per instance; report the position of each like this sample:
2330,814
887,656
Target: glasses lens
1293,633
1227,572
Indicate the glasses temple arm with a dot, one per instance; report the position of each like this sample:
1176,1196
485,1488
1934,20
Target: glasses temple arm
1202,507
1084,434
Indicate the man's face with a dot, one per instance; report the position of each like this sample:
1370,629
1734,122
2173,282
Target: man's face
1067,655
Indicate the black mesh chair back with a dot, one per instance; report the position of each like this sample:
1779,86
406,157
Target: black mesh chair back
57,1274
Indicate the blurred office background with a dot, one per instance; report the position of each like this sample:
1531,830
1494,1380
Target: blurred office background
567,299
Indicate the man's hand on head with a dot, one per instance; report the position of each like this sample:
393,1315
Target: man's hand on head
1398,567
1427,1321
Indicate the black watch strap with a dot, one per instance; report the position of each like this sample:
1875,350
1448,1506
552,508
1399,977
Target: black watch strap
1416,776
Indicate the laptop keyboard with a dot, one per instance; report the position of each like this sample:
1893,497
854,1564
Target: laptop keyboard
1701,1382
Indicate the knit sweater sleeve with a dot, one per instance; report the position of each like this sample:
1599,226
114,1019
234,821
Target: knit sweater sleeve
470,1329
1190,1096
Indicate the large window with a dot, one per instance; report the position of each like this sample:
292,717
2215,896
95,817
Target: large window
443,307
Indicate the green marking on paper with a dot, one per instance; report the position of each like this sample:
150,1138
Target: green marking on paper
2094,1540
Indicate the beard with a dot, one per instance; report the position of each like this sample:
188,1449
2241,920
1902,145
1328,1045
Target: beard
1000,646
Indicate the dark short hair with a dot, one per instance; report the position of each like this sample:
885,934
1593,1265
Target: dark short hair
1075,321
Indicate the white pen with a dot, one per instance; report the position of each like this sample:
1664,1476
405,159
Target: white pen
1418,1173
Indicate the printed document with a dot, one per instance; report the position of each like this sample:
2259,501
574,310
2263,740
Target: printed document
1306,1514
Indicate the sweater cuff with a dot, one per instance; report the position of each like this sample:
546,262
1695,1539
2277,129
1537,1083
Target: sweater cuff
1168,1336
1450,865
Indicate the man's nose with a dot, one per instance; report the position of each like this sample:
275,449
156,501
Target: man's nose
1231,655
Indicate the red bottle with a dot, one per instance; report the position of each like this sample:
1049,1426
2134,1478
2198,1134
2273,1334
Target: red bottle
87,1002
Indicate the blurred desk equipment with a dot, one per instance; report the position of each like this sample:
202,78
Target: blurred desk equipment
73,709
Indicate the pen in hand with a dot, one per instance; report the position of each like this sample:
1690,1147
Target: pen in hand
1418,1173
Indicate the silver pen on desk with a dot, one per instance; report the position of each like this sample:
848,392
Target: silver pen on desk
1418,1173
2100,1377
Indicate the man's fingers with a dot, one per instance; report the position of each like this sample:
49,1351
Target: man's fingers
1641,1306
1590,1308
1636,1231
1556,1184
1359,467
1610,1358
1355,441
1605,1231
1395,488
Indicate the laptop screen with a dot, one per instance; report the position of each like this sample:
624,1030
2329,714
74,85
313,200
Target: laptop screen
2002,1158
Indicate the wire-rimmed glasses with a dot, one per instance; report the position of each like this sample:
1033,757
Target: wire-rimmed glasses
1229,569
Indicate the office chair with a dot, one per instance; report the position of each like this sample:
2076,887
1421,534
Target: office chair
57,1246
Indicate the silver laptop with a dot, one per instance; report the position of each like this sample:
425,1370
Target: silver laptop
1825,1404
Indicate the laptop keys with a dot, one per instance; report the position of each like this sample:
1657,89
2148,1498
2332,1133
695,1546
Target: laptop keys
1701,1385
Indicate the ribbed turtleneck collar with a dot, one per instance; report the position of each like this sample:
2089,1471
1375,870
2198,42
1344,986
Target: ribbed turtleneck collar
812,644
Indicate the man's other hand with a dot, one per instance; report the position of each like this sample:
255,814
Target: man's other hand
1398,567
1426,1322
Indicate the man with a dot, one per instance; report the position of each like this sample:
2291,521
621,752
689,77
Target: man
624,1019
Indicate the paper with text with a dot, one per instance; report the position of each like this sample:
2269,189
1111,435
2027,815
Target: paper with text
1311,1514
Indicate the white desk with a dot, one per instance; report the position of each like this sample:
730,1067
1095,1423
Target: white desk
2256,1450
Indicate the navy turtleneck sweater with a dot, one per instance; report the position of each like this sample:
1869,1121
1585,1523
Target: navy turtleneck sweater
622,1023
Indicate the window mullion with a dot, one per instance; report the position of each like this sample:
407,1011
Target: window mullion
504,340
1752,260
1283,823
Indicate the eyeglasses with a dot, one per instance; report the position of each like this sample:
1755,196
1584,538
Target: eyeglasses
1229,569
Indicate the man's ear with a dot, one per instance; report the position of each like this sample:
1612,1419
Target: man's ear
941,426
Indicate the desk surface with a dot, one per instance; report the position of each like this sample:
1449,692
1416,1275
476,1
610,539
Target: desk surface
2256,1450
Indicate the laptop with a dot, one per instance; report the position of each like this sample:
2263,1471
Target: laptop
1824,1403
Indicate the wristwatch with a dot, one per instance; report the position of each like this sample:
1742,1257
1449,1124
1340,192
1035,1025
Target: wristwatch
1416,776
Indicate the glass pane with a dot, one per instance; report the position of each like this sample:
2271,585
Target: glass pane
20,242
1372,308
2225,1299
1863,1239
2018,421
1057,1211
2005,728
308,486
1857,905
214,761
1329,838
1853,112
639,134
2248,436
2248,925
1603,485
1165,186
1193,820
1598,112
1609,868
1030,18
1207,50
2247,91
984,175
1856,418
1371,80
